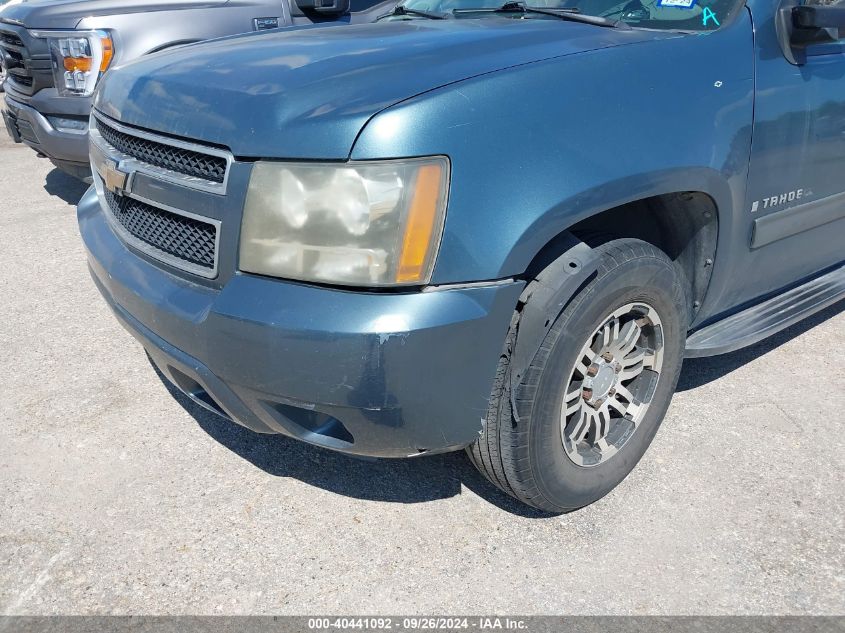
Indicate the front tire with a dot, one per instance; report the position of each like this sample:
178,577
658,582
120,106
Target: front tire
596,392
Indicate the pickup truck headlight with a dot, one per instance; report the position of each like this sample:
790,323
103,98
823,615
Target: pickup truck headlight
358,223
79,58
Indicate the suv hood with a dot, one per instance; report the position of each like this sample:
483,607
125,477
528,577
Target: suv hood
306,93
66,14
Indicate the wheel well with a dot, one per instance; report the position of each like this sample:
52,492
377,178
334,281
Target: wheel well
683,225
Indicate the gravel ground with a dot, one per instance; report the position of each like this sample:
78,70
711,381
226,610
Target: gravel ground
116,496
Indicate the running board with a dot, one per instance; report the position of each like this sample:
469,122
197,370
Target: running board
764,319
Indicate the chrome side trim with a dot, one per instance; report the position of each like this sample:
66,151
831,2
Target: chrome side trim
132,164
150,250
45,33
469,285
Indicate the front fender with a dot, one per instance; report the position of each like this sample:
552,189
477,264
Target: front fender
141,33
538,147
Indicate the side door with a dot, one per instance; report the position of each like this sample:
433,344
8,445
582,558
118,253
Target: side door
338,11
795,206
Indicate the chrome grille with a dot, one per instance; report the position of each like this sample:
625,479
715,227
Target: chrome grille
177,159
177,236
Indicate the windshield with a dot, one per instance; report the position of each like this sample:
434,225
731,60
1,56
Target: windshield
684,15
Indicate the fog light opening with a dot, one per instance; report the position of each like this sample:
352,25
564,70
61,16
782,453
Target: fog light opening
310,425
195,391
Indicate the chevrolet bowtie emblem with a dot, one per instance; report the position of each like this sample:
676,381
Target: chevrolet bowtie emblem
114,179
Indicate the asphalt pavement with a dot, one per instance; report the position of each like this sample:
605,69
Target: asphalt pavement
118,496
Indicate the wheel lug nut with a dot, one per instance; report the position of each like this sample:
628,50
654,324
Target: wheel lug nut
597,404
608,357
587,394
618,368
592,370
612,391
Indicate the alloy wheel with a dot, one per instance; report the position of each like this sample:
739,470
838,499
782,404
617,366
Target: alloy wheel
611,385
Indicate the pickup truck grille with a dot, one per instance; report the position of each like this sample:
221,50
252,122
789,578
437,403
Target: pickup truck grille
28,61
183,161
176,236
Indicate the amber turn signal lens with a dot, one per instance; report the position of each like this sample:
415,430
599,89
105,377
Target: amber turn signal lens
108,53
82,64
422,221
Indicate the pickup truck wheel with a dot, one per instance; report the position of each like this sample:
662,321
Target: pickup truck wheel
598,388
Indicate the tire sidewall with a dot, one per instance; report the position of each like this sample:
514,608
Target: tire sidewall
647,279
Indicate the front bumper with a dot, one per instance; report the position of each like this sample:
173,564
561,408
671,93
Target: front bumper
67,149
377,374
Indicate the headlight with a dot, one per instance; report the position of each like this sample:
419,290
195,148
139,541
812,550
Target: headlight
359,224
78,59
